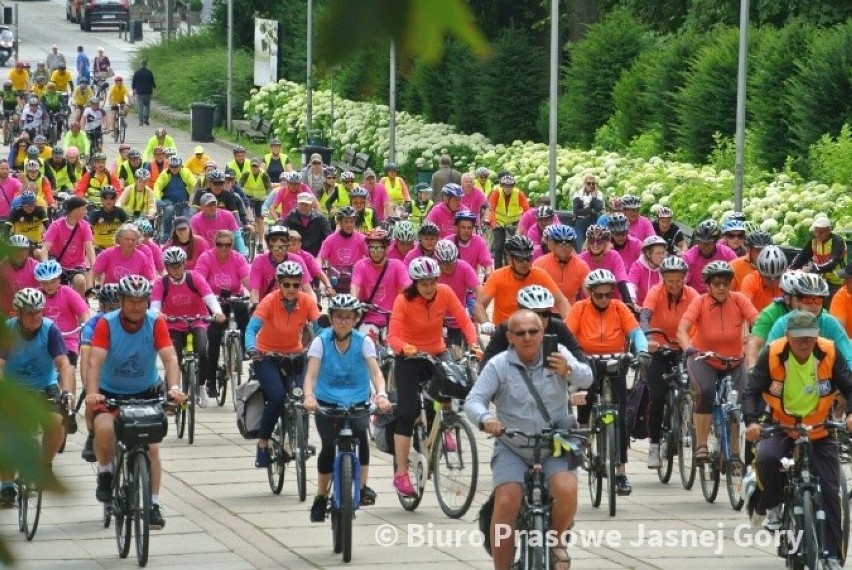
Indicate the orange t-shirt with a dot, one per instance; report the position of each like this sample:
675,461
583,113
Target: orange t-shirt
569,276
841,308
282,330
742,267
601,332
503,287
756,290
421,323
666,314
718,327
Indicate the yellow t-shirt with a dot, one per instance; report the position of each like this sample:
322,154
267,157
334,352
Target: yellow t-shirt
117,94
20,79
81,97
61,79
801,390
39,90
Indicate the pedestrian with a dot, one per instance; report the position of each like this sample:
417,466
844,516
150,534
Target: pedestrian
143,86
83,68
101,65
445,174
54,59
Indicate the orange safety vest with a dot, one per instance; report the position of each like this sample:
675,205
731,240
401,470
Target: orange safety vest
822,254
825,354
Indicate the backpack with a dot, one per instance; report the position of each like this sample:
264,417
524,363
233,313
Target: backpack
638,406
189,284
249,404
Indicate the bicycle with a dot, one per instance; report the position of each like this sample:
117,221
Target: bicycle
96,142
604,449
725,426
190,376
139,424
250,239
292,424
119,129
534,519
678,431
496,239
231,369
447,451
58,120
340,277
100,85
803,519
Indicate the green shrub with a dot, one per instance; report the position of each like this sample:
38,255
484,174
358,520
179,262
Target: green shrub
829,159
646,145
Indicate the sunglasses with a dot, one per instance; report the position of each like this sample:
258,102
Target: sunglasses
526,332
219,244
811,300
562,242
289,285
597,241
522,258
591,184
736,236
602,296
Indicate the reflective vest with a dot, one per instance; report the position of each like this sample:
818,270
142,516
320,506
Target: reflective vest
254,186
419,212
62,176
394,190
137,201
126,174
275,170
238,170
155,171
366,221
822,254
486,188
511,214
779,352
93,192
37,187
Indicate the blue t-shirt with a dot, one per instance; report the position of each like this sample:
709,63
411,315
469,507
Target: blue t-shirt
83,66
130,366
829,327
25,361
343,379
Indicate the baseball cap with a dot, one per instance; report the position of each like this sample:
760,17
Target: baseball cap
305,198
802,324
316,157
198,150
207,198
255,162
181,221
821,221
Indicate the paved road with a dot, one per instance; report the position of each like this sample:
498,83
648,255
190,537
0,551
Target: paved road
221,514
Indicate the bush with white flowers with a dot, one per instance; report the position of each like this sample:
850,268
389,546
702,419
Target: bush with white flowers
782,204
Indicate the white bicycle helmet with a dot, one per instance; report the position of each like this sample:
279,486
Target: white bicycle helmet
599,277
344,302
788,281
811,285
28,299
174,256
404,231
19,241
109,293
446,251
347,176
651,241
535,298
47,270
142,174
134,286
358,192
175,161
288,269
673,264
665,212
715,268
423,268
771,262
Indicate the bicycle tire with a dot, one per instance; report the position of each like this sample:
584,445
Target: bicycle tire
193,401
612,461
276,468
810,542
21,504
114,133
667,439
181,411
122,483
844,520
414,469
539,559
686,444
235,373
64,435
708,473
445,461
142,507
122,133
221,385
595,452
734,483
347,504
29,509
337,543
296,439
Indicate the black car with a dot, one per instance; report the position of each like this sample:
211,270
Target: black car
7,44
102,13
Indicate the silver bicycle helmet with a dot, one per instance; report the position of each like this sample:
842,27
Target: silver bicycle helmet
651,241
344,302
19,241
811,285
715,268
404,231
535,298
109,293
446,251
771,262
788,281
28,299
174,256
630,202
599,277
288,269
134,286
358,192
423,268
672,264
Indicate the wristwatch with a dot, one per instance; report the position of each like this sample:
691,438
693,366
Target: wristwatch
382,394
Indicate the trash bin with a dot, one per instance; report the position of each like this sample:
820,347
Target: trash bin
324,152
316,138
135,30
201,121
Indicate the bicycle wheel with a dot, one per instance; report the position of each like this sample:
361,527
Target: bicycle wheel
29,508
347,505
734,481
235,367
686,443
182,410
192,397
114,131
141,507
123,485
337,542
221,384
708,473
612,461
122,132
595,453
416,468
22,504
64,434
296,438
539,553
455,469
844,520
275,469
810,549
667,442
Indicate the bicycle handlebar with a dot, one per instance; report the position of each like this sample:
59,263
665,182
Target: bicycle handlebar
727,361
803,429
189,320
291,356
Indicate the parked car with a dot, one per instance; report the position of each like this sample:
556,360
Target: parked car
90,13
7,44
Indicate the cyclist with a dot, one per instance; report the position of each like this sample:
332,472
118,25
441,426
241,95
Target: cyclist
29,220
61,171
588,204
10,107
443,214
126,167
714,321
665,227
504,284
61,77
799,376
427,237
198,162
639,226
10,187
124,258
824,253
137,198
473,199
262,276
311,225
472,248
54,105
239,165
106,219
17,269
161,139
395,185
743,266
734,235
44,151
62,305
18,152
404,235
118,99
345,246
459,276
342,369
147,241
339,195
604,325
92,120
80,97
184,238
598,254
331,194
841,304
506,208
662,308
704,252
89,185
418,209
124,347
34,181
614,205
416,324
257,186
627,246
156,165
762,286
211,219
314,174
226,199
767,317
30,338
76,139
185,293
523,363
72,154
274,163
33,117
68,240
645,271
561,263
377,196
294,247
276,326
173,189
377,280
280,204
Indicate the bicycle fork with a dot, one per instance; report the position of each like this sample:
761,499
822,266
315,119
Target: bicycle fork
337,490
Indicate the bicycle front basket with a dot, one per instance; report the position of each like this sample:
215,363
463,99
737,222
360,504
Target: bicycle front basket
141,425
449,381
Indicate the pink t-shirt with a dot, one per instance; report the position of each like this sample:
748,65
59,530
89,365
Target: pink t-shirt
537,252
444,218
20,278
610,261
206,227
378,199
113,265
262,273
156,255
475,252
340,250
65,308
287,199
641,228
311,263
200,246
642,278
9,188
223,275
394,253
631,251
59,234
461,280
696,263
415,253
182,301
365,275
528,220
474,203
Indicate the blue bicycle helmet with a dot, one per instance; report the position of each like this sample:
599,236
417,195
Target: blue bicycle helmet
47,270
560,232
465,215
733,225
452,191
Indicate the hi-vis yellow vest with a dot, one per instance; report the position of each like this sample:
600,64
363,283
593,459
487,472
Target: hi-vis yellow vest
394,189
507,216
93,192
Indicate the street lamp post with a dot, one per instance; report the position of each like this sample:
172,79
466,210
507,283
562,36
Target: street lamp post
392,104
739,161
229,91
310,50
554,72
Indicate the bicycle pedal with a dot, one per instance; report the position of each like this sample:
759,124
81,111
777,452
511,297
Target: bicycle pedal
312,450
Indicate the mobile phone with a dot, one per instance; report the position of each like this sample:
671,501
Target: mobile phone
548,346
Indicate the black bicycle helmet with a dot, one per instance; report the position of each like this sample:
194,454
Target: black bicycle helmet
617,223
758,238
519,246
428,229
708,230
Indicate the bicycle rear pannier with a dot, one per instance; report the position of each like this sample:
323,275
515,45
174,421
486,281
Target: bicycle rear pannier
249,406
141,425
449,381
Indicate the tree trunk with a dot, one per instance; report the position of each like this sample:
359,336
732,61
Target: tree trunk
581,13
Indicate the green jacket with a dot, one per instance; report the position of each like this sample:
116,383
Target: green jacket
165,177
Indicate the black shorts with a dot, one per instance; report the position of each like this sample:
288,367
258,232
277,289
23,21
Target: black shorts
257,206
73,357
68,275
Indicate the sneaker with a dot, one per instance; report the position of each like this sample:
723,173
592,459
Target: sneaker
262,459
773,519
211,389
368,496
319,508
832,564
155,518
88,453
7,497
403,485
203,398
654,456
104,490
450,445
622,485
